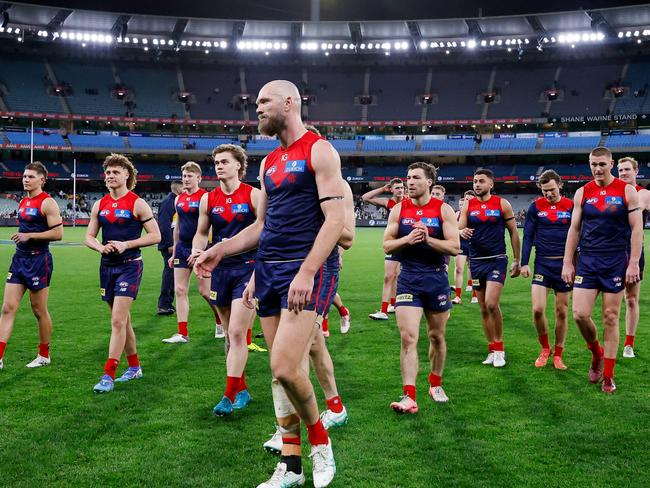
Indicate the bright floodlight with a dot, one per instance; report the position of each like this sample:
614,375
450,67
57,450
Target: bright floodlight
471,44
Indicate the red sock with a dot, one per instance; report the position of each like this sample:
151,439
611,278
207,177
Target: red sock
435,380
317,434
232,387
458,291
242,382
498,346
490,347
543,340
182,328
473,293
596,351
291,438
44,350
410,391
392,301
3,345
629,340
558,351
469,282
384,307
343,311
217,320
325,325
110,367
335,404
133,361
249,337
608,370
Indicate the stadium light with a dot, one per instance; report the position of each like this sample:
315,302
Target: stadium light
471,44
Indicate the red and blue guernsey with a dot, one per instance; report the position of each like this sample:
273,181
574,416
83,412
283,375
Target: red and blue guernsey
187,210
486,218
293,216
32,219
546,227
605,224
421,258
229,215
118,223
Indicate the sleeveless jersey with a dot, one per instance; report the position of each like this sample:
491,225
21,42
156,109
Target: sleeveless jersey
486,218
605,226
293,214
546,227
32,219
118,223
421,258
187,209
230,214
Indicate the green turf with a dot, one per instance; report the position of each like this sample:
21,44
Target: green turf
518,426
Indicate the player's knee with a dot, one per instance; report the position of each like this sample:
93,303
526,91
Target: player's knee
436,338
39,311
409,339
283,372
492,307
538,313
237,338
610,317
581,316
9,308
118,322
180,289
631,301
561,314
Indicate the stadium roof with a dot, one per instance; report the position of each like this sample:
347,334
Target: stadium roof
51,23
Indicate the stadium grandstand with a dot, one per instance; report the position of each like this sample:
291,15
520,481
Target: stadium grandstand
518,88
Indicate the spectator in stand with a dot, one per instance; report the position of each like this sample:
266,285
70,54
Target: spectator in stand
166,212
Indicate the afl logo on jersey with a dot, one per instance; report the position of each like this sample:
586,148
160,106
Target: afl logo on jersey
592,201
408,221
104,213
542,214
474,213
270,171
218,210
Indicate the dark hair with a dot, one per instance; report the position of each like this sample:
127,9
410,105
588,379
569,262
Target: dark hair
38,167
430,171
486,172
237,152
395,181
548,176
601,151
120,161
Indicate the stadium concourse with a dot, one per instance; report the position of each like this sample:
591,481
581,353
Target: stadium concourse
458,129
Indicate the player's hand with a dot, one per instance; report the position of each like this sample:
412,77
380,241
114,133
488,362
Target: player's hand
118,246
340,261
515,269
568,273
248,297
170,262
21,237
466,233
108,248
194,255
525,271
632,274
300,291
415,236
207,261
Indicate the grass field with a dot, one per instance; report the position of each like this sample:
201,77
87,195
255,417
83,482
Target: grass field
518,426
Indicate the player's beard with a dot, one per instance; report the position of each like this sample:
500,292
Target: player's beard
271,125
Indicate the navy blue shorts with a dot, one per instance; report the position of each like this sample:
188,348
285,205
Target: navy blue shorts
429,291
181,253
464,247
602,273
484,270
272,281
122,280
33,271
228,284
548,273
